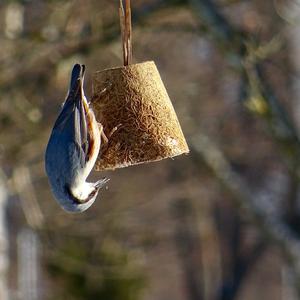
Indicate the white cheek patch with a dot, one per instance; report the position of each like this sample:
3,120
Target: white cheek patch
82,191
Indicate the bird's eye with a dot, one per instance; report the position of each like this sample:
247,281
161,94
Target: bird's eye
92,194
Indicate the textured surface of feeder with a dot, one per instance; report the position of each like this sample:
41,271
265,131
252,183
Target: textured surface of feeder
137,100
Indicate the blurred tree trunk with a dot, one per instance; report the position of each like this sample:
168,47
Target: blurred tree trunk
28,264
3,242
189,249
28,240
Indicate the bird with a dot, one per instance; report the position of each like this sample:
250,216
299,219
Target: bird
73,148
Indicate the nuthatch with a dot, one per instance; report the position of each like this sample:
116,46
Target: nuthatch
73,149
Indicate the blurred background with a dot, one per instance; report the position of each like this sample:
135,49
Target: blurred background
221,223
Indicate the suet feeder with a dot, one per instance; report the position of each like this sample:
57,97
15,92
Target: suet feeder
133,100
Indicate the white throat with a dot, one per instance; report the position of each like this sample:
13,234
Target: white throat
82,191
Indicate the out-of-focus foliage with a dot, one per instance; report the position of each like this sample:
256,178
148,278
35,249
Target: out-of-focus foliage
110,275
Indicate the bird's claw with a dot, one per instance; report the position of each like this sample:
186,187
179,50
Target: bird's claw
105,137
102,93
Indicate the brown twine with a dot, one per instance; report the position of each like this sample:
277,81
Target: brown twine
126,31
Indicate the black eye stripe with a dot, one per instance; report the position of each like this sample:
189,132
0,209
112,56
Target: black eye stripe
78,201
92,194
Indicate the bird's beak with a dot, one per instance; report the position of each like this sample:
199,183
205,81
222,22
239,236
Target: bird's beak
100,183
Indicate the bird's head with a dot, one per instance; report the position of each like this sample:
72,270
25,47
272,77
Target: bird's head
79,197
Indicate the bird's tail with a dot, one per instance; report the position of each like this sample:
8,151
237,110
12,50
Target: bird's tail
77,77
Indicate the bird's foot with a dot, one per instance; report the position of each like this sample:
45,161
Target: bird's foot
102,93
106,89
105,138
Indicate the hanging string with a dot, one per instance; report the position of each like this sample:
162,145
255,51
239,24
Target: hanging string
126,31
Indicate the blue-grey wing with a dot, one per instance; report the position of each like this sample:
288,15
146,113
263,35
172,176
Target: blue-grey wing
68,146
72,118
65,156
71,126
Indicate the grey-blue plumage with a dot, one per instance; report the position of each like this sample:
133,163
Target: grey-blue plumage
73,148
